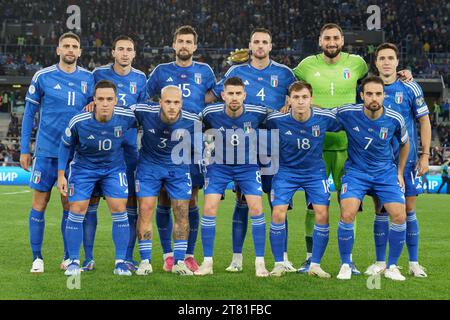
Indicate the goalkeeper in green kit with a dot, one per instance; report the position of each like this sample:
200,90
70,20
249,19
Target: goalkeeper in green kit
333,76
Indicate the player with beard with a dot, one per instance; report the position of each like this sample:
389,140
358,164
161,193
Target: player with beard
58,93
334,76
194,79
266,84
371,128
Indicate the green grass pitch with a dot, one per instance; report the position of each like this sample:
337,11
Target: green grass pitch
17,282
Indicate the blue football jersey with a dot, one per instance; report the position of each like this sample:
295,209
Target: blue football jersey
300,143
408,100
159,138
58,96
194,81
238,136
131,88
369,141
267,87
97,144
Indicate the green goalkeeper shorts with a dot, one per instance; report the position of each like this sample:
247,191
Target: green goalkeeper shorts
334,162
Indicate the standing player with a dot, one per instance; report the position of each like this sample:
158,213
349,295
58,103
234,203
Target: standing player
370,128
130,84
408,100
58,92
194,79
163,127
266,84
233,125
333,76
301,134
97,139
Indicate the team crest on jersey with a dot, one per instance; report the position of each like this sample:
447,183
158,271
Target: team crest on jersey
133,87
84,86
344,188
316,131
71,189
117,132
36,177
384,133
198,78
247,127
398,97
346,74
274,81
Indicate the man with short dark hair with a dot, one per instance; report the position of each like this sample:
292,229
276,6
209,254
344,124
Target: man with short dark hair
370,166
59,92
131,89
233,126
98,140
301,134
194,79
266,84
408,100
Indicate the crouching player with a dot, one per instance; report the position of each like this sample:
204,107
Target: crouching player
370,167
97,139
301,137
165,128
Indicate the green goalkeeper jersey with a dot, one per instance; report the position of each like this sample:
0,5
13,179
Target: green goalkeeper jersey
333,85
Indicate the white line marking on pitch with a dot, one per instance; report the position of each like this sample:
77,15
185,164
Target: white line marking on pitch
23,191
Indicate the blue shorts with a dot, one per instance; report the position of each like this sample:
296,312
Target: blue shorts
44,174
356,184
287,181
198,179
247,177
176,179
81,182
266,181
413,183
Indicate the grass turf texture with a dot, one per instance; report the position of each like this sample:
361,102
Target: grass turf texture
18,283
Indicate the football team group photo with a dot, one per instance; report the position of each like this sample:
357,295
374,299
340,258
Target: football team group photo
189,150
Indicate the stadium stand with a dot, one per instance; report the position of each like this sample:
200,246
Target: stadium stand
30,33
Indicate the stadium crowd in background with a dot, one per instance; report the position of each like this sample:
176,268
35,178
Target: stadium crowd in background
294,22
425,27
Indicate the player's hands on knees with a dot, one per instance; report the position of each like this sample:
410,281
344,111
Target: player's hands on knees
62,185
422,166
89,107
25,160
405,75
